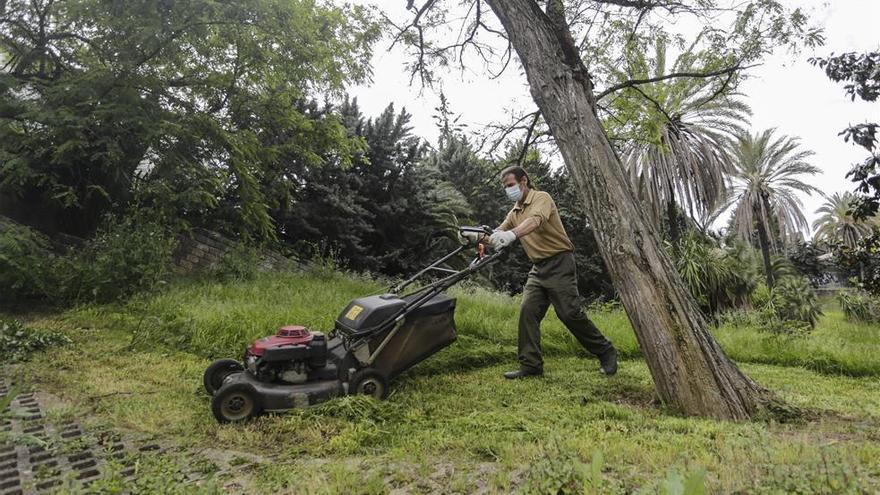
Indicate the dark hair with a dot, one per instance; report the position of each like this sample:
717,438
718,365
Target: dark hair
518,173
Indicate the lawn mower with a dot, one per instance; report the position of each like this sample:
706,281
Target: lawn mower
374,339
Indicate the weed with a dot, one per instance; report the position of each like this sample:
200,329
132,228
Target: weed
18,342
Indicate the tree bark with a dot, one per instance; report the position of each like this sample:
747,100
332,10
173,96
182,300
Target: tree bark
764,240
691,372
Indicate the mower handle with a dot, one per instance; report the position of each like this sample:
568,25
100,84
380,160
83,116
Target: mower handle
455,274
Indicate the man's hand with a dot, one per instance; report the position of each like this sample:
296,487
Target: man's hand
502,238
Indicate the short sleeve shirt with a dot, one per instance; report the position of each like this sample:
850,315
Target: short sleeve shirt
550,237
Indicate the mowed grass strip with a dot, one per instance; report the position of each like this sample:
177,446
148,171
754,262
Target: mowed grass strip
476,422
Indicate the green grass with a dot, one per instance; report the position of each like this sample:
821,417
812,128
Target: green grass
453,424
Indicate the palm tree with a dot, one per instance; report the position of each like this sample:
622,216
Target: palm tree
766,175
837,225
680,133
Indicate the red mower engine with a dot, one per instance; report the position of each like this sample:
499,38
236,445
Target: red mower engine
287,356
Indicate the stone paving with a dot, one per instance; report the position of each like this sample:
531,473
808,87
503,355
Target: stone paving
40,455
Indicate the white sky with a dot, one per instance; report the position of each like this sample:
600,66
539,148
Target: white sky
785,92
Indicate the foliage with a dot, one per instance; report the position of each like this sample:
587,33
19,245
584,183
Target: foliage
387,211
859,306
793,300
198,109
27,263
18,342
127,255
838,226
239,263
558,471
804,257
767,173
863,262
719,278
679,133
861,72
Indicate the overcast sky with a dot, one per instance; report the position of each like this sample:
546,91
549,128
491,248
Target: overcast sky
785,92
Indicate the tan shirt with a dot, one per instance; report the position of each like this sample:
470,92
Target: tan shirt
549,237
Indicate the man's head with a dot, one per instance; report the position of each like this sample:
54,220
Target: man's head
516,182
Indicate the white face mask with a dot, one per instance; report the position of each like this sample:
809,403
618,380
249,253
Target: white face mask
514,193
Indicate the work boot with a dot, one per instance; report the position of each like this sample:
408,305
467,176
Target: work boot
522,373
608,362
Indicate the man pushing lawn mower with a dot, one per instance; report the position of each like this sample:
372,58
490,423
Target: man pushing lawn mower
378,337
534,220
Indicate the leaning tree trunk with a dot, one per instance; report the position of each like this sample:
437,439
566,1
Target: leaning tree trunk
690,371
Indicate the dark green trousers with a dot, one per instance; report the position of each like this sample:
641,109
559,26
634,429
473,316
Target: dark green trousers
554,281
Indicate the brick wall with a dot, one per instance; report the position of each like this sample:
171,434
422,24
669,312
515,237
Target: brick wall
201,249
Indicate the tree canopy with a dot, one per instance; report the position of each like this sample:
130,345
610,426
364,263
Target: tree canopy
196,108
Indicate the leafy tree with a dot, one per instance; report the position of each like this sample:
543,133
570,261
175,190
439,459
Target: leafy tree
767,173
862,262
189,106
806,259
861,72
838,225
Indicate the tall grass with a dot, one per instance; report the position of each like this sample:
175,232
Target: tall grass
454,420
212,319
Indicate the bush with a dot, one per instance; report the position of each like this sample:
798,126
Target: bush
27,264
239,263
859,306
792,301
718,278
739,318
18,342
125,256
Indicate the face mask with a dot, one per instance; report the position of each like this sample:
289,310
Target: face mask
513,193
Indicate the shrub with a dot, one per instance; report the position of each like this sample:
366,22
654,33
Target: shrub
859,306
18,342
718,278
126,255
27,263
239,263
792,301
738,318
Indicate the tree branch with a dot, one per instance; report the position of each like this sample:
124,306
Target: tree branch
525,147
632,83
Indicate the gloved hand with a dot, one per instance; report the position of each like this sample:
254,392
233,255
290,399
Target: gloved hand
502,238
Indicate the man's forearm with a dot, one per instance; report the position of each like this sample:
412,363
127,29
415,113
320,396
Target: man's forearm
527,227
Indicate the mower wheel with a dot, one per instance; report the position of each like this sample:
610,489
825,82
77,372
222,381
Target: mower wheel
368,381
236,402
218,371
